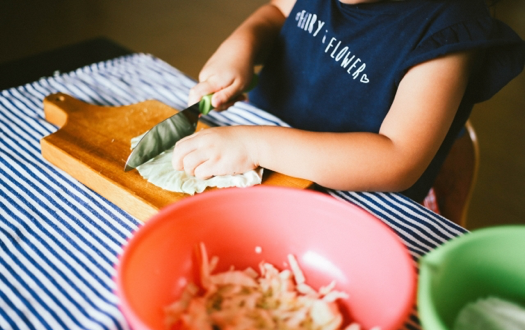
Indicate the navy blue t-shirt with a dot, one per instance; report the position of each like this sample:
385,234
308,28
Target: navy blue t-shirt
336,67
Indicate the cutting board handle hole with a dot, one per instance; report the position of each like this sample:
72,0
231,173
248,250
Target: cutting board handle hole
60,98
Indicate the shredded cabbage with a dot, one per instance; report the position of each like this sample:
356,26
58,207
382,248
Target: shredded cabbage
242,300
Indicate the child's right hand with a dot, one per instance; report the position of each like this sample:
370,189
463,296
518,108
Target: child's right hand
226,78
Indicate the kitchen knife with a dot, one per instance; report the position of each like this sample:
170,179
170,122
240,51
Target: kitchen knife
164,135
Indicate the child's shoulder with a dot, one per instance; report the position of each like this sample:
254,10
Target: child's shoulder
466,25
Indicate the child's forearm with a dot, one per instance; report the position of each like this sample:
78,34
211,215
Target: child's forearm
229,70
346,161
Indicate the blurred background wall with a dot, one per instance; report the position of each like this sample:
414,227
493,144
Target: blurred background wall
185,33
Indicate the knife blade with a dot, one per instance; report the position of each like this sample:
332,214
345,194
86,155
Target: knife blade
165,134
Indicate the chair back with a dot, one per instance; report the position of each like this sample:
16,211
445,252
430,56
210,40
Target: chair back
456,180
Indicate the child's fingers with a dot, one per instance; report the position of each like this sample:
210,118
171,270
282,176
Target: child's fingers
193,161
225,93
176,162
188,156
226,97
206,170
190,162
201,89
181,149
226,105
212,84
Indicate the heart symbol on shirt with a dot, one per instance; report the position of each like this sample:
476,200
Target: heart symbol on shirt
364,79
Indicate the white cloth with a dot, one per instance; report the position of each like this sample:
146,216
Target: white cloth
160,172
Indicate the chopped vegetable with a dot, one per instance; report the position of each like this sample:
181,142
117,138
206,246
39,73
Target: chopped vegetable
245,300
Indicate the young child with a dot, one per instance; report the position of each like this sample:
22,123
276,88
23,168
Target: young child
376,91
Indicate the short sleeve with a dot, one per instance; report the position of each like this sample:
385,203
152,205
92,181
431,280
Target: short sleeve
502,53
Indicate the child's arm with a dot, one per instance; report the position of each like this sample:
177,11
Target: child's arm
230,69
420,116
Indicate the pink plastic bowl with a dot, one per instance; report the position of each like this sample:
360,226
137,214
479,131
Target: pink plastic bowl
331,239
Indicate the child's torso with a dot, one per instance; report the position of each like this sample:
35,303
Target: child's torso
336,67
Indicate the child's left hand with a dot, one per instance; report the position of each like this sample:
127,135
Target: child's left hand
216,151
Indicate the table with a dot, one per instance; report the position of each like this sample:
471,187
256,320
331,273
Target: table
59,240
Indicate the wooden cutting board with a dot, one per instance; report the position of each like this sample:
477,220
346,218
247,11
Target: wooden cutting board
92,145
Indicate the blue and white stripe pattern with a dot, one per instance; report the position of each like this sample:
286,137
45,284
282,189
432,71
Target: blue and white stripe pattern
59,240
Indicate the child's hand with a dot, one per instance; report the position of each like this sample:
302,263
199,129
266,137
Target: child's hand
226,76
216,151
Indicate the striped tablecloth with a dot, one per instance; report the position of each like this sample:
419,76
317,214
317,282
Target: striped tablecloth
59,240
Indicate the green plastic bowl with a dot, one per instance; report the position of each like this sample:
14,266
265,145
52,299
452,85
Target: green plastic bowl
485,262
